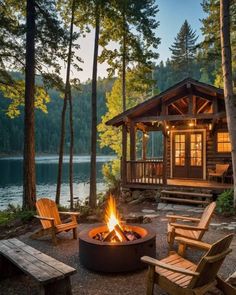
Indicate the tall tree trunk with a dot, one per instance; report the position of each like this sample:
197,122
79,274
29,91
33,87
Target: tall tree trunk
71,118
29,182
63,115
93,189
71,150
230,98
124,131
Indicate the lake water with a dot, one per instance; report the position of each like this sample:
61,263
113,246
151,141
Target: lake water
11,170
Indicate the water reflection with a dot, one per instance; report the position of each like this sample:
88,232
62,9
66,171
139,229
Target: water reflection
11,170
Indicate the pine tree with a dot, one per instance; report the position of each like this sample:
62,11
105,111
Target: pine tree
230,97
211,44
184,51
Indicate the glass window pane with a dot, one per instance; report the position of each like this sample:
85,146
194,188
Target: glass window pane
223,142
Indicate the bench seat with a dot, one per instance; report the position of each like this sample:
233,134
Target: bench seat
52,275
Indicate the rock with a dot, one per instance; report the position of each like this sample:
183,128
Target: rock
92,218
147,220
134,218
161,206
148,211
137,201
149,195
150,216
232,279
136,195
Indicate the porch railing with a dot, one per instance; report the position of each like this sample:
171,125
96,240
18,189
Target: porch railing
144,172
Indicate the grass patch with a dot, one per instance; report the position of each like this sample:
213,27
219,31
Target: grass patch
15,213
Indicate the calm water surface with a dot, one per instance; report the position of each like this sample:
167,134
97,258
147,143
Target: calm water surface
46,174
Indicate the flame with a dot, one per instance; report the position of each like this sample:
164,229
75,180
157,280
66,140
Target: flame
111,214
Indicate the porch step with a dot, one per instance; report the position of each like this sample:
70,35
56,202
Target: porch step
186,197
188,201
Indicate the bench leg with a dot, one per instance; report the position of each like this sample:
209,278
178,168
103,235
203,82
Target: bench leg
60,287
75,235
7,268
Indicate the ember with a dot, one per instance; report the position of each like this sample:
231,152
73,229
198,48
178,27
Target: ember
116,232
111,236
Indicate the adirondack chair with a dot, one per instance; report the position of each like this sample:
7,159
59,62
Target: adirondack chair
220,171
177,275
194,232
49,217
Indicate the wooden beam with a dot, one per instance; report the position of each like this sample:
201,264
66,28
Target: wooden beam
190,105
141,127
180,117
203,106
173,105
164,171
144,146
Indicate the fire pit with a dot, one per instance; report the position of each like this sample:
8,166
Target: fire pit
115,247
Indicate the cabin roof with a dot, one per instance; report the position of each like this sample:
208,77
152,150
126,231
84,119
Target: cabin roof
184,88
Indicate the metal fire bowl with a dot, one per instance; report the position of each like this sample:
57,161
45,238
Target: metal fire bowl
116,257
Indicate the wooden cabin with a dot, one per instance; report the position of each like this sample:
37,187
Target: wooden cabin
192,120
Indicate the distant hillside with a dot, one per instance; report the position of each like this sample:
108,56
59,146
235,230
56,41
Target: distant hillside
48,125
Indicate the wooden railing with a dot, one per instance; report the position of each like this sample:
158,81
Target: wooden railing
144,172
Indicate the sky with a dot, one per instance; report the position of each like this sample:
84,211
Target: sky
171,16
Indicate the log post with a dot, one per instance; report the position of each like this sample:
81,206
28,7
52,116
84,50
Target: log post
132,150
124,155
164,176
144,146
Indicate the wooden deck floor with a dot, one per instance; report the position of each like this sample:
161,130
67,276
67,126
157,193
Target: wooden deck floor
211,185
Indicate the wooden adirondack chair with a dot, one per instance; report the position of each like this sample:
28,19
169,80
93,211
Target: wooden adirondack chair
51,221
194,232
220,171
177,275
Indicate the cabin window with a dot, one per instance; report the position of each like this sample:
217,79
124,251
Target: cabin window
196,149
223,142
180,149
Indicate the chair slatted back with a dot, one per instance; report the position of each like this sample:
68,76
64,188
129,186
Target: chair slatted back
222,168
210,264
48,208
206,218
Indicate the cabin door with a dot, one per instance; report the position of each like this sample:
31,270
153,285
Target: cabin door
187,154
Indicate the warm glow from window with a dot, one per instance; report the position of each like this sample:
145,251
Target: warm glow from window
223,142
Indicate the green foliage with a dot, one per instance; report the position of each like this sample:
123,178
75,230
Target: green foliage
225,203
15,213
111,172
137,90
211,43
47,124
132,25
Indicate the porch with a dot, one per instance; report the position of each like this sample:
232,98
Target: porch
149,175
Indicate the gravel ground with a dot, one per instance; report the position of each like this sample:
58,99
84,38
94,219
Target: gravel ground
85,282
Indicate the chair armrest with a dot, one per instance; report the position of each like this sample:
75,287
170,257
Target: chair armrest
69,213
190,227
44,218
193,243
182,218
155,262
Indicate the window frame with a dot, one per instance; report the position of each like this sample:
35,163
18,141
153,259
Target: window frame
216,143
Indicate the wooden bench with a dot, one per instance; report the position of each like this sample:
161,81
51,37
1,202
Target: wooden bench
186,197
52,275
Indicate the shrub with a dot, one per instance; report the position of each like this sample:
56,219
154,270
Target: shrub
225,203
111,172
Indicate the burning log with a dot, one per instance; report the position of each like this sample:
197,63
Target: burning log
110,235
120,233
